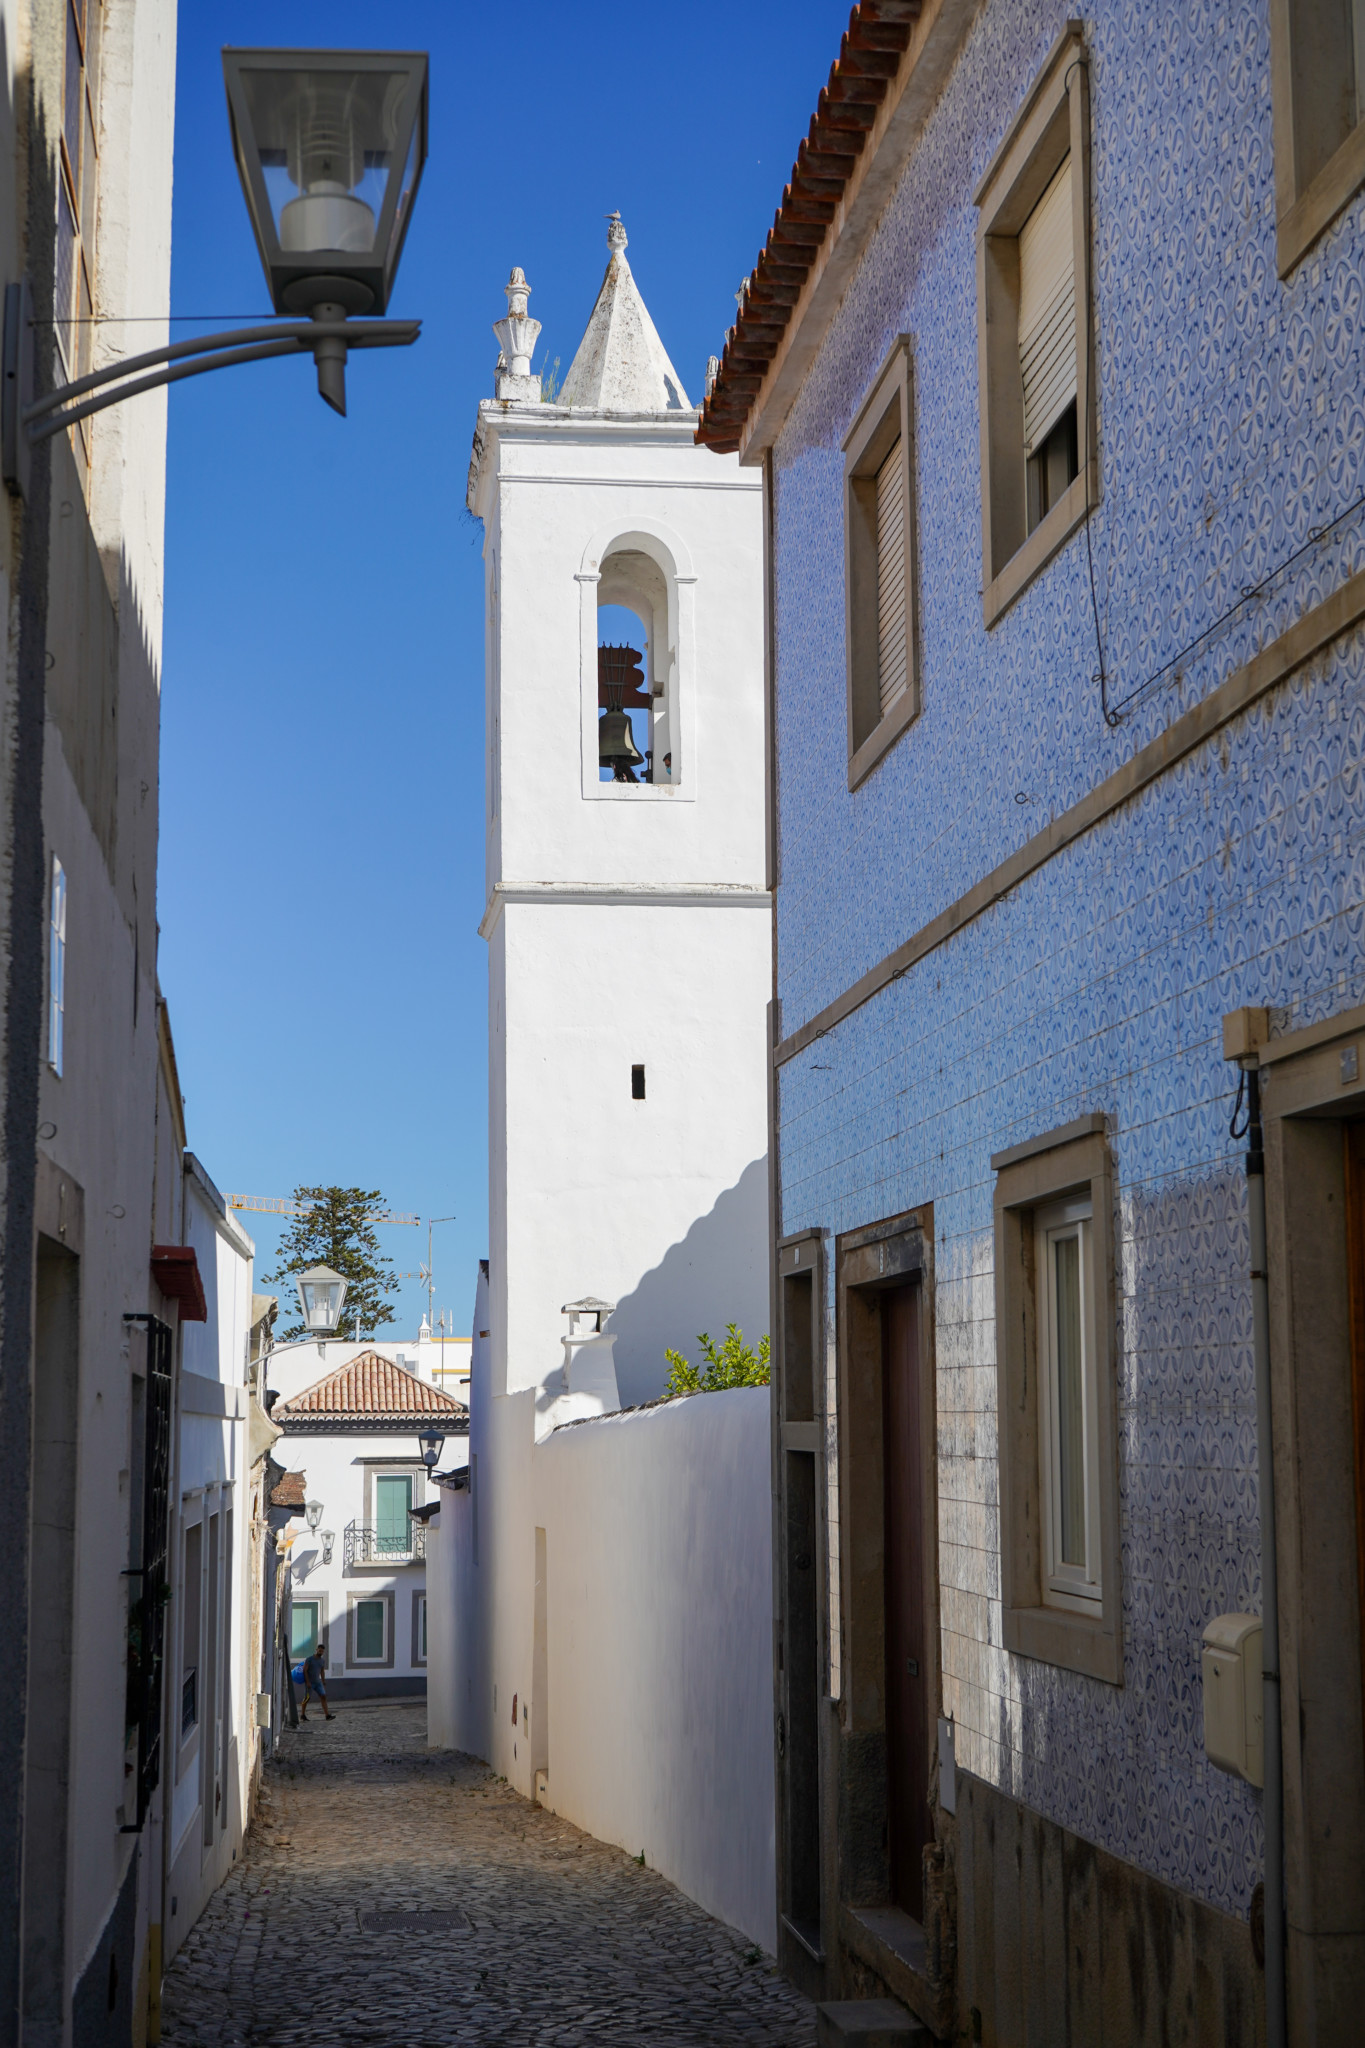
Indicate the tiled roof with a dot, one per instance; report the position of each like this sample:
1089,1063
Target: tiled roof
878,35
290,1492
369,1385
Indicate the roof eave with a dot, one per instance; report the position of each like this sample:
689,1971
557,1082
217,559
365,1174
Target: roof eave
912,92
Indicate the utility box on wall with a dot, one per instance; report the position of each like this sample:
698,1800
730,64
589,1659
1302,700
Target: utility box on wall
1234,1736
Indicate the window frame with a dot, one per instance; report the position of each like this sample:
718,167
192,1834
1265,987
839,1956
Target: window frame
1079,1633
1053,122
355,1662
419,1619
888,412
1064,1585
309,1600
1302,216
56,967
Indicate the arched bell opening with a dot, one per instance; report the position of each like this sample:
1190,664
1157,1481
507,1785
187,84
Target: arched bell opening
633,721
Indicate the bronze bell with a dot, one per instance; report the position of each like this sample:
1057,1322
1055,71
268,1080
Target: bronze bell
616,748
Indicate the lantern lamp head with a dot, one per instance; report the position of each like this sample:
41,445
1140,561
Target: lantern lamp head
330,146
321,1293
313,1511
432,1442
328,1538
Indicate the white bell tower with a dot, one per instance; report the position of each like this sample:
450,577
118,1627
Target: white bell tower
628,922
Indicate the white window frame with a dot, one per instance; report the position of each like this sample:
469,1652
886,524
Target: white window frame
56,969
1079,1587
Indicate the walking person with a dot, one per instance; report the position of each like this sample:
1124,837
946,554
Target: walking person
315,1681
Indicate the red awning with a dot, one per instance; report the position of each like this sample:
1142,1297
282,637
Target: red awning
175,1270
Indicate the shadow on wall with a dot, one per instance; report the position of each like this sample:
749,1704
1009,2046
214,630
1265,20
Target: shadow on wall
718,1274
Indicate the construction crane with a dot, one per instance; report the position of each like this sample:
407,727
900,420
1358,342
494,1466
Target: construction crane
272,1205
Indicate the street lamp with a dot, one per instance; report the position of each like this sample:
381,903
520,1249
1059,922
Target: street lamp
432,1443
313,1512
329,1537
330,146
321,1293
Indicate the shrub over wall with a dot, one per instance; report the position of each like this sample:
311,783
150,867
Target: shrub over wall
731,1364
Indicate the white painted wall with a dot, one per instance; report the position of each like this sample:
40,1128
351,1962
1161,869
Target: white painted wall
657,1716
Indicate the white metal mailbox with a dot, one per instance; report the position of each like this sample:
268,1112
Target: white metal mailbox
1233,1720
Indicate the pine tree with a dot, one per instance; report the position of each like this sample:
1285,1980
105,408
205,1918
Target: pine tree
337,1231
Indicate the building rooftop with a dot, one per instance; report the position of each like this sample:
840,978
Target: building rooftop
621,365
369,1387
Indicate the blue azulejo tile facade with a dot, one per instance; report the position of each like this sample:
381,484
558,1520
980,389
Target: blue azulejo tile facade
1231,443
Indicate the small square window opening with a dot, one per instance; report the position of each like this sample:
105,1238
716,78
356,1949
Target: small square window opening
637,1084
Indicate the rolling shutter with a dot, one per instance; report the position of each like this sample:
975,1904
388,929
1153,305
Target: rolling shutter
1047,310
891,616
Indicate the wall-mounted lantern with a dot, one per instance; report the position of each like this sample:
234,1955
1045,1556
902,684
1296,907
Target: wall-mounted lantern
313,1513
330,146
321,1293
328,1538
432,1443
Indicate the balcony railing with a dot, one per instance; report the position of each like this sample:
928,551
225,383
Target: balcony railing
362,1545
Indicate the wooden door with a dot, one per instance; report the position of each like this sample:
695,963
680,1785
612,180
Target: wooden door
907,1661
1355,1266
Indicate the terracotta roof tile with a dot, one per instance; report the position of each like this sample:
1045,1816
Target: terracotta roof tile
369,1385
879,32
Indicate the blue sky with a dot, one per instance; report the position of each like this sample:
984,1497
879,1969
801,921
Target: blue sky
322,708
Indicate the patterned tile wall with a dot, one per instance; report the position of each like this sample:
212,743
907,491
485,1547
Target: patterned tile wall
1232,444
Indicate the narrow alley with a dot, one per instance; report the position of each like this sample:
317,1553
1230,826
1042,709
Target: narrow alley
389,1893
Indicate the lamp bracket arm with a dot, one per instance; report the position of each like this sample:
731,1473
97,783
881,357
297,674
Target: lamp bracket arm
28,420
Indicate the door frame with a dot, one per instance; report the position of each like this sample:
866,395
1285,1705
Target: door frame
895,1252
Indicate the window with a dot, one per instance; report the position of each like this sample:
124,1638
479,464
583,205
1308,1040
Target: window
1055,1367
191,1582
76,189
1317,71
637,1084
370,1631
303,1628
392,1524
636,636
419,1628
56,968
1070,1453
1038,473
879,549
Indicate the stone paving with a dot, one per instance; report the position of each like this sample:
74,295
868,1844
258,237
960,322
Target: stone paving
537,1934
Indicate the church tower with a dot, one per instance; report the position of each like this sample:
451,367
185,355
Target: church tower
627,920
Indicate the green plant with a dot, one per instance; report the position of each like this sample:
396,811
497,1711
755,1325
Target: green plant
549,383
731,1364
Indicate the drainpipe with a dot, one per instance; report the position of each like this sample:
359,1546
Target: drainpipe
1276,2031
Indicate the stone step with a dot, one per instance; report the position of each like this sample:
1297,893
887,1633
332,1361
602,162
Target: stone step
866,2023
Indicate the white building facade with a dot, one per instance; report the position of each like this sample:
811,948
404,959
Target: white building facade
357,1560
628,926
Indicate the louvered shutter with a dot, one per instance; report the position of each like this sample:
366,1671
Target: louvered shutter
891,665
1047,310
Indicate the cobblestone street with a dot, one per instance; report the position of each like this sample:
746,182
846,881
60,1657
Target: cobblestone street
392,1894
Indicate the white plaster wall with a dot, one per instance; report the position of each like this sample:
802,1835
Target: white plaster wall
659,1636
335,1470
554,490
659,1206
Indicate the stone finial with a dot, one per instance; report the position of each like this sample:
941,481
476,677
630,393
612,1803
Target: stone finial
712,372
616,234
517,339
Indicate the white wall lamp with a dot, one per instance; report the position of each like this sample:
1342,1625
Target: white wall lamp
330,146
321,1293
327,1539
432,1444
313,1513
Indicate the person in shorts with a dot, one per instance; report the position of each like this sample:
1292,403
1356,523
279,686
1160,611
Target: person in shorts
315,1681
